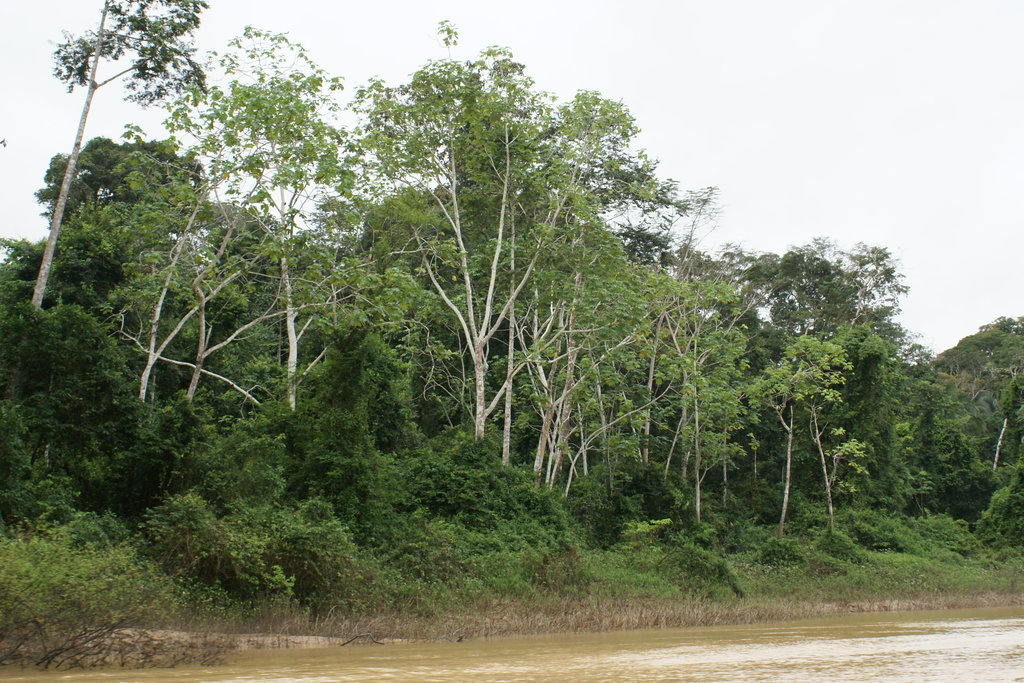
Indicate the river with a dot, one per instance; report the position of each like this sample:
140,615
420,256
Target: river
953,645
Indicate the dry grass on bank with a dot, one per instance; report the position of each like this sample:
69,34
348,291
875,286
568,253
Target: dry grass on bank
208,643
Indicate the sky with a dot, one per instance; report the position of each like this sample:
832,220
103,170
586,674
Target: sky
897,123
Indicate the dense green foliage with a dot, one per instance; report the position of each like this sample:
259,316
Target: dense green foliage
457,352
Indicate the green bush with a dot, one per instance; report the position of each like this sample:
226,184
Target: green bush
1002,524
642,543
945,532
65,603
461,480
259,551
876,531
839,546
781,552
560,571
704,570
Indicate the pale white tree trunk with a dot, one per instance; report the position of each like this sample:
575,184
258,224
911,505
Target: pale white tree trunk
788,426
698,475
290,317
828,478
651,366
999,443
506,432
542,443
203,339
152,354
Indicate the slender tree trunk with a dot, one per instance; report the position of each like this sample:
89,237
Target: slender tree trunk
824,469
725,482
290,317
697,458
604,438
651,366
201,344
999,443
542,443
788,426
583,452
506,432
480,380
675,440
69,172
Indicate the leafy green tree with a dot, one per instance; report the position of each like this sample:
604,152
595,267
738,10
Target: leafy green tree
984,367
949,472
807,376
870,409
493,176
819,289
104,173
1002,523
270,136
70,397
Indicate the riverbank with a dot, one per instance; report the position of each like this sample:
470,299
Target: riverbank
609,599
143,619
575,615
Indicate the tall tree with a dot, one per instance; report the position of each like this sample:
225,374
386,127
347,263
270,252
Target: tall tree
807,376
270,134
155,36
491,174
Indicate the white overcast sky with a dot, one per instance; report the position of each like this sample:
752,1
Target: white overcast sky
892,122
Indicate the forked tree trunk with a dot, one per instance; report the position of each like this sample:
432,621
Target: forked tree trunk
542,444
824,469
203,339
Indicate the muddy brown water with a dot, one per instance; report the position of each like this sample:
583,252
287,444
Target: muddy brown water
952,645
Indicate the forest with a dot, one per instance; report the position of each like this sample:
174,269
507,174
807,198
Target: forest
442,345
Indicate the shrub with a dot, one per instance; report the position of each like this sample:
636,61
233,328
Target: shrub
876,531
703,569
66,605
839,546
781,552
1002,524
258,551
559,571
641,543
948,533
